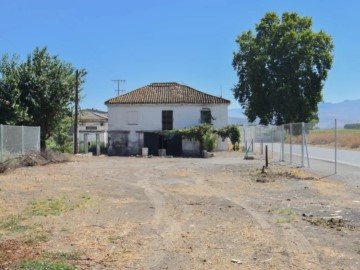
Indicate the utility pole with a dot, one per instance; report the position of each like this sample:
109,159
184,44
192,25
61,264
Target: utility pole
76,112
118,84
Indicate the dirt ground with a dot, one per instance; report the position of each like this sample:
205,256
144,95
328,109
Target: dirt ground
177,213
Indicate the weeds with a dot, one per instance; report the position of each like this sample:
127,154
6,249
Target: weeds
286,220
288,212
49,207
56,206
284,212
114,239
36,234
74,255
12,224
44,265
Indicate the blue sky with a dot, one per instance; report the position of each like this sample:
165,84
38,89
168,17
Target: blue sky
185,41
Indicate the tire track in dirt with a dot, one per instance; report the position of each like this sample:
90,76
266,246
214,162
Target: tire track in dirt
168,230
299,249
300,253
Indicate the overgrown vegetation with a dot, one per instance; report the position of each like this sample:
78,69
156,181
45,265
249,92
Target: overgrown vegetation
38,91
233,133
207,135
61,140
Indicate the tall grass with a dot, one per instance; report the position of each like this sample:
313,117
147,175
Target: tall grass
345,138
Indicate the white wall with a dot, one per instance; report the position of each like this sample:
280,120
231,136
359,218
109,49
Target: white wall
92,136
148,117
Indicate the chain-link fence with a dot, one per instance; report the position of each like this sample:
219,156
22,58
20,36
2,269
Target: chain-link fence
18,140
301,144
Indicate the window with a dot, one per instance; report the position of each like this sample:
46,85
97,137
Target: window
91,128
167,120
205,116
132,118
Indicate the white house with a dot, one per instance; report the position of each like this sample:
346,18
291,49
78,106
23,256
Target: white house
137,119
92,122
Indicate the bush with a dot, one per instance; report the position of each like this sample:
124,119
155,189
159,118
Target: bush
210,141
352,126
103,148
233,133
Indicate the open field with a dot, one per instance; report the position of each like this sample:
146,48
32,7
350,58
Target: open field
176,213
346,138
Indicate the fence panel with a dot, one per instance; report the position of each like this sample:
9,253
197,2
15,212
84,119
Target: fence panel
325,151
18,140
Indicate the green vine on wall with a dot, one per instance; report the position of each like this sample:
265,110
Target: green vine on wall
207,135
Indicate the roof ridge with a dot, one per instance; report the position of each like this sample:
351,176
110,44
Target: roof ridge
167,93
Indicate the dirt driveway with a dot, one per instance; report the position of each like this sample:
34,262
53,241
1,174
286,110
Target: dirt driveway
176,213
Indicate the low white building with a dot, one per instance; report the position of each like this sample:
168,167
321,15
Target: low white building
92,122
137,119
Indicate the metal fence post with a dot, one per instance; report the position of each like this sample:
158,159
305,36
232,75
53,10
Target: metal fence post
272,142
1,142
39,140
302,143
282,144
335,134
291,133
22,141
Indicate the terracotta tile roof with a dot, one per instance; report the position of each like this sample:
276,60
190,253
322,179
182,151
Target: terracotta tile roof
92,115
166,93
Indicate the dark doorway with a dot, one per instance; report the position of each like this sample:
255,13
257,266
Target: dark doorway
174,146
151,141
155,141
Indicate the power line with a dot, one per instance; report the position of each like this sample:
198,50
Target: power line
118,84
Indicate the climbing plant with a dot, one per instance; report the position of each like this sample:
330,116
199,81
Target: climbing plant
233,133
207,135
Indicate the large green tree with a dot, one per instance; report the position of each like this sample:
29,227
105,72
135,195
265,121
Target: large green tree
38,91
281,69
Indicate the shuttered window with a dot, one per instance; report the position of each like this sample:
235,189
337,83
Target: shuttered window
167,120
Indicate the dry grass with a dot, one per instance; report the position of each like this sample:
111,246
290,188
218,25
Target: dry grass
345,138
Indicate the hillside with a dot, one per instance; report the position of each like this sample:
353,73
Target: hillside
345,112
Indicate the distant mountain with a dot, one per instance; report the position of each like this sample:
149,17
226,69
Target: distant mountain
237,117
346,112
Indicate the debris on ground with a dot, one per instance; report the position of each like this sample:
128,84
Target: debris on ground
33,159
333,222
236,261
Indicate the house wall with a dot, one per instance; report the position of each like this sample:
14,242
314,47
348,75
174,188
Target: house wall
135,119
92,136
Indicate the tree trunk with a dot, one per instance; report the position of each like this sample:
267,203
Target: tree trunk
42,140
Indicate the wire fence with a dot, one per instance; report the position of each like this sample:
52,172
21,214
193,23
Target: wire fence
18,140
303,145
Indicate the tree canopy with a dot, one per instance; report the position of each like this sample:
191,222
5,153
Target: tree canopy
281,69
37,92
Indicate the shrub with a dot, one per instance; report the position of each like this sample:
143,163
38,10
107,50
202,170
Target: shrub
233,133
210,141
352,126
